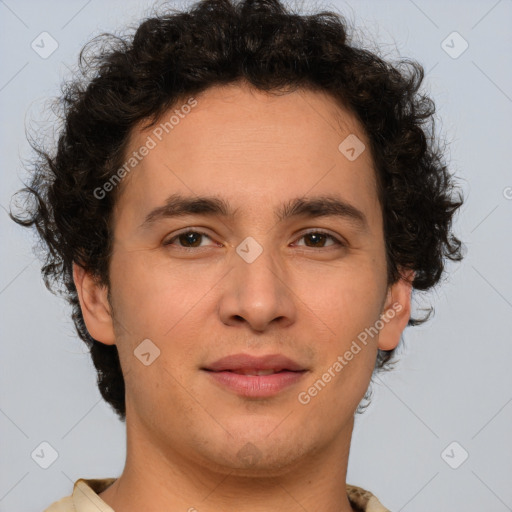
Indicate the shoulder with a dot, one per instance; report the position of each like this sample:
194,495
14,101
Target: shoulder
364,500
84,497
63,505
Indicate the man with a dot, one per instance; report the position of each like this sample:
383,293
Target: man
240,206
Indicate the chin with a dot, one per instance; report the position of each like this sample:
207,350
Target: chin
258,456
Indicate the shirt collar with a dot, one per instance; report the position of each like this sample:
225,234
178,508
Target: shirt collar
86,499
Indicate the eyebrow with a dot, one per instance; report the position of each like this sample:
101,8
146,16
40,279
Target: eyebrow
177,205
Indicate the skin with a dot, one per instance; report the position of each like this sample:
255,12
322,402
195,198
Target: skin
304,298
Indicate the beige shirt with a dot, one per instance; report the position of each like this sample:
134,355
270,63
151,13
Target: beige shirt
85,498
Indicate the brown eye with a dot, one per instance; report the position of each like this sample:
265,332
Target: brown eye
187,239
317,239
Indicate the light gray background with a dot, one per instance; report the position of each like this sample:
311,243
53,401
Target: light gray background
454,382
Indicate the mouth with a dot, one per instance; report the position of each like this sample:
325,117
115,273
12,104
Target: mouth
256,372
255,377
247,363
254,383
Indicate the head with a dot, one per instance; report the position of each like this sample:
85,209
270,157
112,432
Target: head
268,125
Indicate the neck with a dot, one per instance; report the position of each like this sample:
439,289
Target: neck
159,478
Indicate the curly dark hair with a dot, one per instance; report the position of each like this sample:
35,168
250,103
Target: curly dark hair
127,80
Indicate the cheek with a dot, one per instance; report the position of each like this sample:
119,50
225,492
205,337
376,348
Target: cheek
155,302
347,299
151,295
348,303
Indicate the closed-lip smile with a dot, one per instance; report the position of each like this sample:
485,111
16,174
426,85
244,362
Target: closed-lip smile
255,376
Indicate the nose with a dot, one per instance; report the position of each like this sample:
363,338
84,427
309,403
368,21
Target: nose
257,294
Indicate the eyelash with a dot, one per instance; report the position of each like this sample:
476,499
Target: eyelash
198,232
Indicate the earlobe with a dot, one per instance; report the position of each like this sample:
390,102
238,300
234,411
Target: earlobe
397,311
95,306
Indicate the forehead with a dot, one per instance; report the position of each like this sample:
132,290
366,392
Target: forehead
243,143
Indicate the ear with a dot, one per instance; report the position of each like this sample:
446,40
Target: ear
396,311
95,306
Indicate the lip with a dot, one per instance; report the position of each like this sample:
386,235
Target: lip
287,373
256,386
239,362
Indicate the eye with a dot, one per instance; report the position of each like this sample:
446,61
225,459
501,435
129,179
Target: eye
192,239
318,238
187,239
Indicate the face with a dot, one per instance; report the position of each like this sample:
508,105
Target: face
252,272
